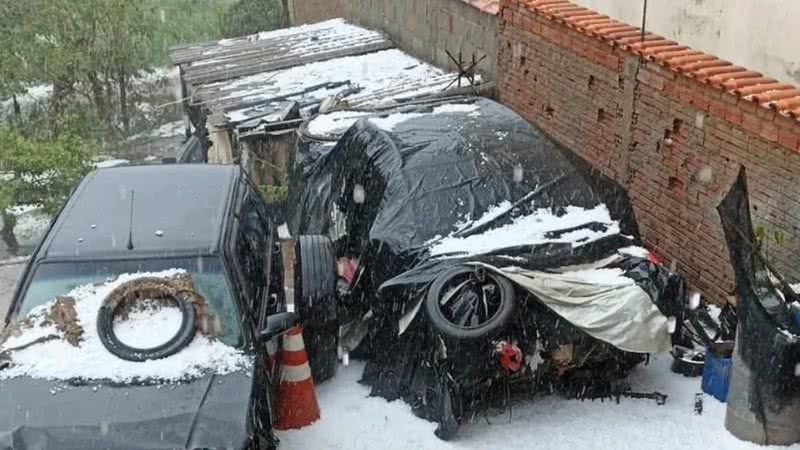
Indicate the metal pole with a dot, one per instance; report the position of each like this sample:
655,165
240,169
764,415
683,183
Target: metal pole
644,19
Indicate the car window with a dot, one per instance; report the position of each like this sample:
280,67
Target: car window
53,279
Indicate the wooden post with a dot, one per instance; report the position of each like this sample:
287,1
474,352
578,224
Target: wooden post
221,151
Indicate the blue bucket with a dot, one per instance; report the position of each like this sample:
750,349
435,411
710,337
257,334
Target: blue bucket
717,370
796,314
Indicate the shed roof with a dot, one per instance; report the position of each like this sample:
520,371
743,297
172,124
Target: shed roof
370,79
247,81
274,50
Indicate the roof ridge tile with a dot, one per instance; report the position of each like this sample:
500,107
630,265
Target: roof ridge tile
736,80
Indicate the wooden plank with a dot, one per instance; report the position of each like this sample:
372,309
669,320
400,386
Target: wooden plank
212,49
273,64
288,42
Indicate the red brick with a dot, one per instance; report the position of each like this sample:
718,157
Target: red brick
748,106
769,131
717,108
765,113
730,98
700,100
787,123
751,123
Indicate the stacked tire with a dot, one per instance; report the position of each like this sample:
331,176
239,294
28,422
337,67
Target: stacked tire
315,302
452,323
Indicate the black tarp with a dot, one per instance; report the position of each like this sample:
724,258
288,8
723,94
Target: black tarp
767,335
421,178
433,170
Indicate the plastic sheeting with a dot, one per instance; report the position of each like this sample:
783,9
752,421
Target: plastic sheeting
767,337
604,310
434,170
444,169
431,172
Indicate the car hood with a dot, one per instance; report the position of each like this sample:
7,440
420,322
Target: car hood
210,412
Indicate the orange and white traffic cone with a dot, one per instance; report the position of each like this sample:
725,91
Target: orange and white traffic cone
296,404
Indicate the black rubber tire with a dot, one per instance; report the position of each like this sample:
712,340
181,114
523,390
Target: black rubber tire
496,323
315,303
184,336
683,366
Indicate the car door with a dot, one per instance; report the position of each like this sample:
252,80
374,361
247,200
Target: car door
252,254
258,245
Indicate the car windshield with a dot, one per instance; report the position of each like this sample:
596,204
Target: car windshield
58,278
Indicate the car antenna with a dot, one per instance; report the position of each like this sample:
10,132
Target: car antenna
130,225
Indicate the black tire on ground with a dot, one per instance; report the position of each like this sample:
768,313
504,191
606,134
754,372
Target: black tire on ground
490,318
686,365
315,302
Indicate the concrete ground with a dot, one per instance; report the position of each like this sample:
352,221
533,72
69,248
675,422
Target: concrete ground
9,272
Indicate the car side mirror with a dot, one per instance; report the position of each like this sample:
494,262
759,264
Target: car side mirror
277,324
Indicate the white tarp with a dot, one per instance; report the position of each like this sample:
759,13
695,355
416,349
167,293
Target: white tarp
605,305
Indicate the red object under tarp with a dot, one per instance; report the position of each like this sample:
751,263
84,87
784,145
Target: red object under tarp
510,356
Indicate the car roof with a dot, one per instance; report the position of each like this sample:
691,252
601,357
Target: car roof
177,209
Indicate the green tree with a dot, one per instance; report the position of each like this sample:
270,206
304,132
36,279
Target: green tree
38,171
253,16
86,49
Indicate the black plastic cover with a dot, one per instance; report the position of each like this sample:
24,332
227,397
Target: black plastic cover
422,178
432,171
766,332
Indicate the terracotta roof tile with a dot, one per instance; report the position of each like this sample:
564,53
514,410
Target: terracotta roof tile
724,67
672,52
622,34
721,78
612,28
636,38
737,85
769,98
642,46
763,88
788,103
748,85
695,69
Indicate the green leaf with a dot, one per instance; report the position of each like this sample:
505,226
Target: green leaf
778,236
761,232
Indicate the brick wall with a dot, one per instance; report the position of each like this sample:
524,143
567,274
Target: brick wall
423,28
675,142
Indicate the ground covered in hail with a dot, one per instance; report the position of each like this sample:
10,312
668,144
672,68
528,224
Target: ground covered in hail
351,420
